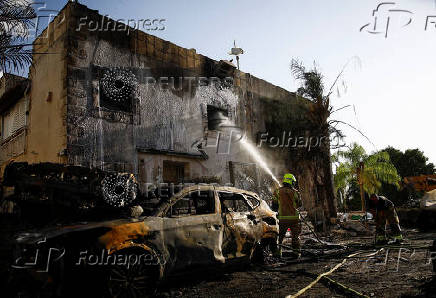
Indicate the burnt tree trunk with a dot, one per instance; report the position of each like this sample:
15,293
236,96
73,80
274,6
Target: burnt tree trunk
326,163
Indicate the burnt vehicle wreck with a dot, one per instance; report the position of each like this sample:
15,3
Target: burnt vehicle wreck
127,253
48,192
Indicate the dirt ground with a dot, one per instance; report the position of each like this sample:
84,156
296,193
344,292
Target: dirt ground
391,272
404,271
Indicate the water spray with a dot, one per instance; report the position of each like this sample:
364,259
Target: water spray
255,154
228,125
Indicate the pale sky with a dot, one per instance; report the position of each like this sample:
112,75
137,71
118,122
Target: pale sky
390,81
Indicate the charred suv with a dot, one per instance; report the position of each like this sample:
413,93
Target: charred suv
200,225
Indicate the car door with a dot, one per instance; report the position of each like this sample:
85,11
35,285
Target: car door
193,228
241,227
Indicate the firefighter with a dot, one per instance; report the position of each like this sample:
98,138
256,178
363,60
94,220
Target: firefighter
287,200
384,213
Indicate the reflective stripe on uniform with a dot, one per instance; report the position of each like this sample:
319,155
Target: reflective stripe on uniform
288,217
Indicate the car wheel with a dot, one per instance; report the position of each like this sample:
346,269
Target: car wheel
263,251
132,280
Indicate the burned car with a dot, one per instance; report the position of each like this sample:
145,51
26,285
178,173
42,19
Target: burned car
200,225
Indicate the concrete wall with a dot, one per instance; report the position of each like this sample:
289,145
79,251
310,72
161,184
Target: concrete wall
163,119
45,131
47,111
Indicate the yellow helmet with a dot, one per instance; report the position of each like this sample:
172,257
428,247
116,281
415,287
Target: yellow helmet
289,178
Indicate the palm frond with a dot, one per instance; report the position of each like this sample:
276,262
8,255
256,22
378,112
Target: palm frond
377,169
355,154
342,176
312,81
13,56
16,17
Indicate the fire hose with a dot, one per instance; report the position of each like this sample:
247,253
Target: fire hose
325,274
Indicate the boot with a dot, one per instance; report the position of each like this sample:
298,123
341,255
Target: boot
277,253
398,239
380,240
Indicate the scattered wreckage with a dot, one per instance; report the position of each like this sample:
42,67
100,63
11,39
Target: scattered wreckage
130,253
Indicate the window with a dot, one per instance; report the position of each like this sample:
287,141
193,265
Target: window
233,202
253,201
117,87
216,117
173,172
14,119
194,203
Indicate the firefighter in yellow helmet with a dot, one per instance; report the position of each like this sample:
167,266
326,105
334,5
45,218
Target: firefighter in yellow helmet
288,201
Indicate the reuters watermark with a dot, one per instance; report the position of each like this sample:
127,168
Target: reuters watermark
185,83
168,190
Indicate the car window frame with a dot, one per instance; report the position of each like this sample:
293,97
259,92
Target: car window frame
185,192
238,193
249,201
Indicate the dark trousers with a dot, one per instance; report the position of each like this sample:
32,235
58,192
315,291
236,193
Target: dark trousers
389,217
295,226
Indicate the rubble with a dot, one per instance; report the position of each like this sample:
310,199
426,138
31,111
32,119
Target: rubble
429,200
355,226
366,274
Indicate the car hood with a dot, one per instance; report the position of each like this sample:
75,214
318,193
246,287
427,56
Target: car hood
52,232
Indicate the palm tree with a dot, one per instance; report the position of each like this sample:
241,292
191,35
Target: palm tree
340,181
320,112
313,89
370,171
16,17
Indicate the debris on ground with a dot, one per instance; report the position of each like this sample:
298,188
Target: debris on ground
365,271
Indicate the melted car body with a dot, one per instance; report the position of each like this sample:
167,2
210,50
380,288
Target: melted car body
200,225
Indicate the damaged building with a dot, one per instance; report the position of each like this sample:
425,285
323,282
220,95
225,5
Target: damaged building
127,101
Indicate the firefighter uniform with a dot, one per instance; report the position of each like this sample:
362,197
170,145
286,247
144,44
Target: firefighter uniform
288,201
385,214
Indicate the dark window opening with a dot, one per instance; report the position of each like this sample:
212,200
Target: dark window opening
124,105
194,203
216,117
253,201
173,172
117,89
232,202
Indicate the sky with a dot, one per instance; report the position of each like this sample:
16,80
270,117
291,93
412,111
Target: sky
390,73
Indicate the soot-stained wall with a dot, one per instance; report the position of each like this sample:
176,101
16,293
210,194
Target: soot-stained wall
135,101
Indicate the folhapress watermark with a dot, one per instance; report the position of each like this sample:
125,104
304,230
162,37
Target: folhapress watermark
384,15
392,259
42,258
287,140
223,141
105,24
105,258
